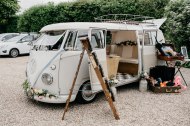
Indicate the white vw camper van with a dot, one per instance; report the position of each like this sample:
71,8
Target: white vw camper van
55,55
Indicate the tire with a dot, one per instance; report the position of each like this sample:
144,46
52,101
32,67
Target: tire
14,53
84,96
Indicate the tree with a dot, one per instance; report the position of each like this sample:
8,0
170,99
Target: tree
36,17
8,8
178,23
86,10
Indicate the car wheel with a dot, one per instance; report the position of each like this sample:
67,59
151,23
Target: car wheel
14,53
85,94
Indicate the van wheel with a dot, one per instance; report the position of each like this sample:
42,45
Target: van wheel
85,94
14,53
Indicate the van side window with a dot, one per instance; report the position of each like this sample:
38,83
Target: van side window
96,39
58,44
78,44
71,40
148,39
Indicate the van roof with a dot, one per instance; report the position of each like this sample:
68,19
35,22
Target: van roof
103,25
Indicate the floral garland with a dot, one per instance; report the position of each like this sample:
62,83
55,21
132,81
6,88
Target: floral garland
113,81
128,42
31,92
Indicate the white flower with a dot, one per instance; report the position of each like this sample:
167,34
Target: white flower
47,95
35,91
40,91
116,81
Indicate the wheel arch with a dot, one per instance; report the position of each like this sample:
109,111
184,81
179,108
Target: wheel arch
83,82
16,49
79,98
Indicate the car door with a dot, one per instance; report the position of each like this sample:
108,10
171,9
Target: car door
23,44
97,41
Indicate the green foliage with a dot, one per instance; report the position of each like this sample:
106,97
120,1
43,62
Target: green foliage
86,10
25,85
8,8
12,24
178,23
36,17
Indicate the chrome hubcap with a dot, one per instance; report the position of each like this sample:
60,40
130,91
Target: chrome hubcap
14,53
87,92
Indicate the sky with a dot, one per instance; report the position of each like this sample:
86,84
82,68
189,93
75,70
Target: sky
25,4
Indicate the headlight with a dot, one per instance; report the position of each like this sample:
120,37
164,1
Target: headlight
47,78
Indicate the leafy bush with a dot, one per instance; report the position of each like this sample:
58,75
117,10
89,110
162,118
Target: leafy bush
85,10
8,8
178,23
36,17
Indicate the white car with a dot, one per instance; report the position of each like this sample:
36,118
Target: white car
17,45
6,36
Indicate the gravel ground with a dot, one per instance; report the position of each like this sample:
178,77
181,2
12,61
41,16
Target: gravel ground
135,108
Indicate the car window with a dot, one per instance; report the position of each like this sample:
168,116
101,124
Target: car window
74,43
96,39
71,38
8,37
27,38
78,44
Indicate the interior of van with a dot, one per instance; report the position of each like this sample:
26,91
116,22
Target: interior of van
122,54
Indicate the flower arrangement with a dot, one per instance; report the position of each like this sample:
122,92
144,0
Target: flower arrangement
127,43
144,75
113,82
31,92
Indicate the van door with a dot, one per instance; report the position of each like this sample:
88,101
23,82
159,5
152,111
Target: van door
69,60
149,51
97,41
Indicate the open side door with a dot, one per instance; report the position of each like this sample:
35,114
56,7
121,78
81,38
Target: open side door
149,53
97,40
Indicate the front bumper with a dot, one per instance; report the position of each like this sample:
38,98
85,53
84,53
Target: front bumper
58,99
4,52
44,95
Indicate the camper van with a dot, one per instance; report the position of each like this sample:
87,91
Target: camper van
55,55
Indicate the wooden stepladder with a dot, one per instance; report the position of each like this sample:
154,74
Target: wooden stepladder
99,73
